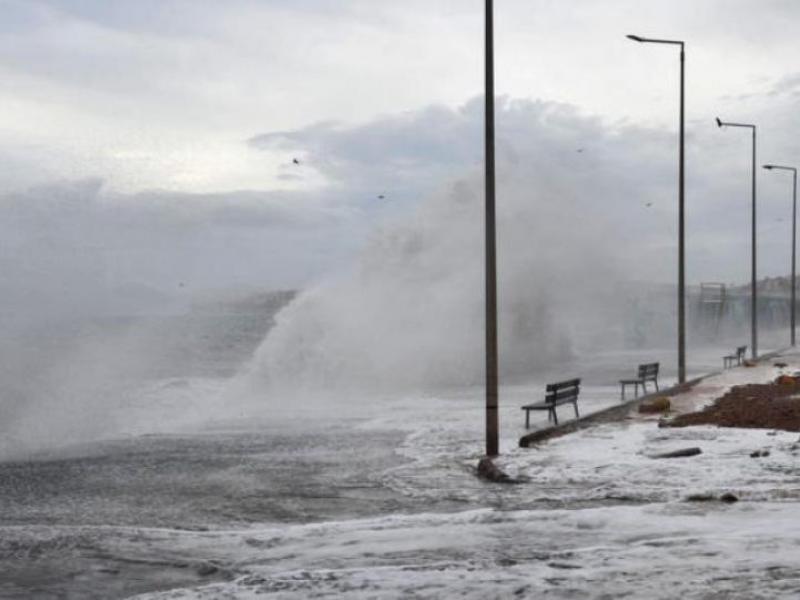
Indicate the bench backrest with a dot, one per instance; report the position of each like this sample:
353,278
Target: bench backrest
740,350
563,390
648,371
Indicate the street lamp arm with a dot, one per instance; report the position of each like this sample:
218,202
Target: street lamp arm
721,123
781,167
644,40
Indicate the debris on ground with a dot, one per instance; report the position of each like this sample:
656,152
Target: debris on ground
727,497
656,405
753,406
491,472
787,380
759,453
700,498
679,453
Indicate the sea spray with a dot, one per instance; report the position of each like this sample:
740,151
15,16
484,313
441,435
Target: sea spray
409,315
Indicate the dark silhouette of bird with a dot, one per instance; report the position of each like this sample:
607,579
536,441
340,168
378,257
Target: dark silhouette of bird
580,150
649,204
295,161
381,197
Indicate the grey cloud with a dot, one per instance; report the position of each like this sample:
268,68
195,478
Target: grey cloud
789,84
396,145
767,90
615,169
73,247
67,237
290,177
419,150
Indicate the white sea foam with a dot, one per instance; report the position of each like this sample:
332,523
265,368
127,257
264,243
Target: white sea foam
623,525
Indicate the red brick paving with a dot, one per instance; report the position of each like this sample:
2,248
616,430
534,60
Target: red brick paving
752,406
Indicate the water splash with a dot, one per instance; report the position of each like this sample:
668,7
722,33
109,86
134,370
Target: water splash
410,313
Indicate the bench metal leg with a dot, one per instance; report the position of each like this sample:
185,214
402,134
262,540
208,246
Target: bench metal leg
644,388
575,404
655,382
622,393
555,417
527,419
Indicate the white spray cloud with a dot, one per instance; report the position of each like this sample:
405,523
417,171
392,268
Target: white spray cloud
410,313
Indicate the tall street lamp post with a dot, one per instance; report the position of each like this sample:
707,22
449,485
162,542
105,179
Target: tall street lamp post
753,290
492,446
681,230
794,238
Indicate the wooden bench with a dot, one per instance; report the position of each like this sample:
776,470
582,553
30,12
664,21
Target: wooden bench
727,361
563,392
647,372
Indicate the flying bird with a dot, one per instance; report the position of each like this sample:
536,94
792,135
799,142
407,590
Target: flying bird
580,150
381,197
649,204
295,161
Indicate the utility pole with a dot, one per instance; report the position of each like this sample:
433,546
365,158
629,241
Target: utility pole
492,446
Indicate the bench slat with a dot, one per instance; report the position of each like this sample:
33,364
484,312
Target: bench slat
551,387
537,406
648,370
569,400
563,394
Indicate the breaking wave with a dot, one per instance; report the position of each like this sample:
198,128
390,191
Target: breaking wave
410,312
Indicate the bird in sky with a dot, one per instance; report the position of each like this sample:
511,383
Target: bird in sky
381,197
295,161
649,204
580,150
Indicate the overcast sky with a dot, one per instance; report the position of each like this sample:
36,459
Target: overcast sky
137,110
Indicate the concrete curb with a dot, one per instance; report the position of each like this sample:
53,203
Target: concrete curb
620,411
